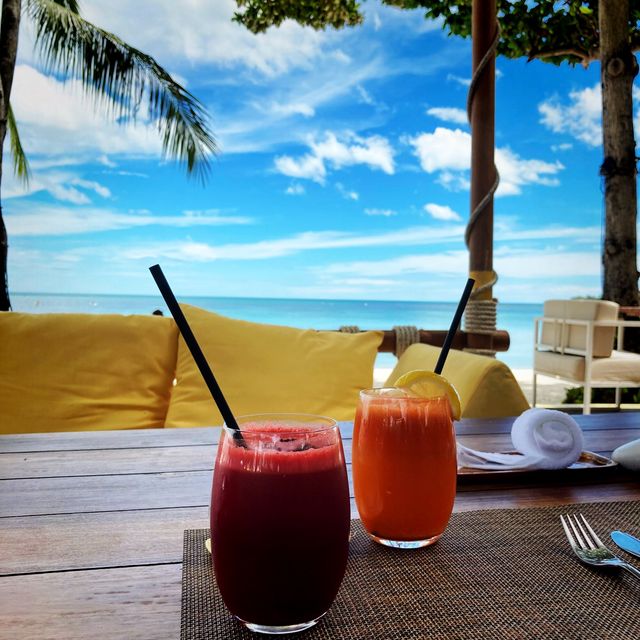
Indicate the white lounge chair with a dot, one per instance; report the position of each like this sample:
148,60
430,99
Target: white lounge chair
574,341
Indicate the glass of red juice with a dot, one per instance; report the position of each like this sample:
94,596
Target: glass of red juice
280,518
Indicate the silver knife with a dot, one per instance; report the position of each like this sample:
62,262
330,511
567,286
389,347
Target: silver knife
627,542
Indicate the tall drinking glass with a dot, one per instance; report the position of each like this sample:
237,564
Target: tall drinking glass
404,466
280,520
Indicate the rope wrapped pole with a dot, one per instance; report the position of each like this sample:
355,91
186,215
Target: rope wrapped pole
481,311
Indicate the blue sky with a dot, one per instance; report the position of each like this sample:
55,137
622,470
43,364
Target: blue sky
343,170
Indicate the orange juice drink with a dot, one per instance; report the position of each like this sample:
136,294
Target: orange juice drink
404,466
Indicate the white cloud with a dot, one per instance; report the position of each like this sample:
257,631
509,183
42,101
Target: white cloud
454,181
77,130
308,167
295,190
576,234
293,108
253,127
448,153
62,185
581,118
365,96
260,120
441,212
564,146
53,221
347,194
448,149
450,263
93,185
307,241
516,172
530,255
374,151
386,213
130,174
398,22
201,31
449,114
465,82
56,162
338,55
45,220
365,282
525,265
453,261
107,162
548,265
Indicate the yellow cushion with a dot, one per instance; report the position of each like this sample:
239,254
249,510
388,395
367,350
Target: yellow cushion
486,386
75,372
264,368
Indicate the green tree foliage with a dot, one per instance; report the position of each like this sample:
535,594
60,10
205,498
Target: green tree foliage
259,15
550,30
20,163
575,395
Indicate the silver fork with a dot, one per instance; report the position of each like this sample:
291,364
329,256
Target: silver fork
589,548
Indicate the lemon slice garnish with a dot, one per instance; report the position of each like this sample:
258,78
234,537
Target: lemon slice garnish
427,384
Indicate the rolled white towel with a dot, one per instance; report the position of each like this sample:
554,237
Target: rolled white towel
544,439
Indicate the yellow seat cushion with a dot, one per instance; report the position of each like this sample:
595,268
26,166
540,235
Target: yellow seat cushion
486,386
268,368
75,372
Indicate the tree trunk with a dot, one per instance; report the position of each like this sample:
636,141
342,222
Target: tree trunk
9,30
5,302
618,69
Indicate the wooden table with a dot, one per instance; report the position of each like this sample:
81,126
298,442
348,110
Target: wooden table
91,524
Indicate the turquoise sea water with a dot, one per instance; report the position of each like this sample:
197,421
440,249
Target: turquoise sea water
517,319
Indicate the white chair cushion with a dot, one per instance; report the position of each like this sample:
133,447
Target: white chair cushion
575,335
622,366
551,331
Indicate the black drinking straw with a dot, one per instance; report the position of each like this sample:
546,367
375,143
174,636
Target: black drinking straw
196,351
454,325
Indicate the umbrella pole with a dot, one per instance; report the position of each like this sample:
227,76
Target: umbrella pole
481,312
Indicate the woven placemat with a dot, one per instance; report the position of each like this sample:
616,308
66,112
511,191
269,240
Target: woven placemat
494,574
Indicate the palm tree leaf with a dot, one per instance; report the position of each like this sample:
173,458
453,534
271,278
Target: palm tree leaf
122,77
20,163
72,5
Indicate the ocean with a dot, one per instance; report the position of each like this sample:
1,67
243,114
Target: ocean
517,319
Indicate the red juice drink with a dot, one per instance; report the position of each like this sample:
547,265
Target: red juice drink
280,521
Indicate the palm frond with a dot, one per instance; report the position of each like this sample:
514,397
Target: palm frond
72,5
122,78
20,163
